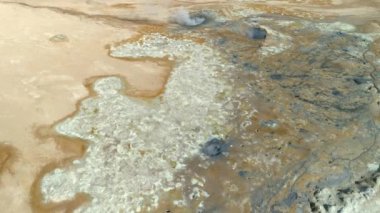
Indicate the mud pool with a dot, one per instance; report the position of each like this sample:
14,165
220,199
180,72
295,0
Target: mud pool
190,106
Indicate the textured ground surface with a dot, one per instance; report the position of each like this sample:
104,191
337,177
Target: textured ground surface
174,118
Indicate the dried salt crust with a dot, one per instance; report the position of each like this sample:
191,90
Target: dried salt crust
136,146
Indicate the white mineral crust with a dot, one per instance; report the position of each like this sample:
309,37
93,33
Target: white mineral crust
136,146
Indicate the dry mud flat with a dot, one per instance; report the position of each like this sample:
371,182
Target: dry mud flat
208,118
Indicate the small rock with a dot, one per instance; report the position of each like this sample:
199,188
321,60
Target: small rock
235,58
290,199
326,207
276,77
243,173
221,41
214,147
59,38
257,33
360,80
269,124
249,66
336,92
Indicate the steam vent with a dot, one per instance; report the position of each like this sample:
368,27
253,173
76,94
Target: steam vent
169,106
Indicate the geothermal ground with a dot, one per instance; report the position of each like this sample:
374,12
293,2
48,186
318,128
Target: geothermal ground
190,106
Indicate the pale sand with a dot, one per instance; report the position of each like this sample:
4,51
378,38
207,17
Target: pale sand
41,82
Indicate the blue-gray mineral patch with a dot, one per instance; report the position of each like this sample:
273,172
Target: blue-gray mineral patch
257,33
214,147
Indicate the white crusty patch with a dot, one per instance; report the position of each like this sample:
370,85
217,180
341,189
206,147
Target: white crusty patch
136,146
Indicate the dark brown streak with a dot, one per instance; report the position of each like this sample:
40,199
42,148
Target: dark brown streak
105,18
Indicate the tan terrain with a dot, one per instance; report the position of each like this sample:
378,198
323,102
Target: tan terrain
54,51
